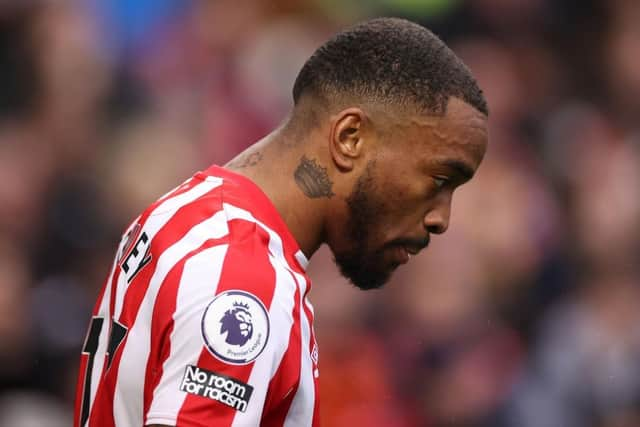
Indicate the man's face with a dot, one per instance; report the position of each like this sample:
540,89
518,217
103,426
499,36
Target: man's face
405,191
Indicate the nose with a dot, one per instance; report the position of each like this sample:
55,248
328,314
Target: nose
436,220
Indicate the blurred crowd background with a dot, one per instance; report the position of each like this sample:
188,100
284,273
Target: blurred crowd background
526,313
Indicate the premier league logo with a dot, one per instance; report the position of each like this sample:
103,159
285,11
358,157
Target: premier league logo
236,323
235,327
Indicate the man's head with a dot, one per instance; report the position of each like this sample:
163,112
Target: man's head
401,122
388,62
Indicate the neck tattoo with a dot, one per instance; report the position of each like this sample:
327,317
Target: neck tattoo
246,161
313,179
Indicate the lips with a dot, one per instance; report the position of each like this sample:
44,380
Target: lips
404,250
401,254
414,249
411,250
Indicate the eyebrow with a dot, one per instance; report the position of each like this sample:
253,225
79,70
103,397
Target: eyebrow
460,167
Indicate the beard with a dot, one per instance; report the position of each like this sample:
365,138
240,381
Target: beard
363,265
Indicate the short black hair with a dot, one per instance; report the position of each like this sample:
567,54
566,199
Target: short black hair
390,61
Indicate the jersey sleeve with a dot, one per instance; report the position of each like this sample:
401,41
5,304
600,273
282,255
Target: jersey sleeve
224,342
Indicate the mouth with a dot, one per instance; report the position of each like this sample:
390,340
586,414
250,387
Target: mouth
401,255
412,250
415,248
403,251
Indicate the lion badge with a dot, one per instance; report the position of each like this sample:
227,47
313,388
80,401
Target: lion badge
235,327
237,324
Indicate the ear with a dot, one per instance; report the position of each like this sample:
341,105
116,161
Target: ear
346,142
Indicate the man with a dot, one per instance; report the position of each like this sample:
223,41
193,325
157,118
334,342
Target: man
204,318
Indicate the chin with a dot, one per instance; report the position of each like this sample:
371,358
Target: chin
365,270
368,279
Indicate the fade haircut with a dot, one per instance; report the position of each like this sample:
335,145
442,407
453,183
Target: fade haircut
389,61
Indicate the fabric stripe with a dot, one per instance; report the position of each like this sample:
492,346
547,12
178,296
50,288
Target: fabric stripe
284,383
281,319
275,242
308,309
98,366
301,411
164,216
199,273
246,249
103,310
162,323
134,355
158,217
102,304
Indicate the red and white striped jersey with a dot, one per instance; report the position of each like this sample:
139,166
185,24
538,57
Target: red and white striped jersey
204,318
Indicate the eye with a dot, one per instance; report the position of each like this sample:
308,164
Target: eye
440,181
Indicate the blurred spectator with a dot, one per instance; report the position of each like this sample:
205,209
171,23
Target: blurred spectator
15,322
33,410
585,370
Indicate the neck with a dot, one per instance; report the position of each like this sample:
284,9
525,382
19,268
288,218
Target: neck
289,172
